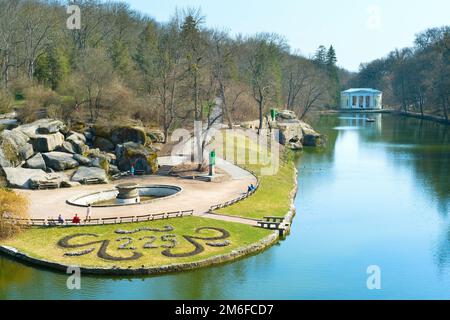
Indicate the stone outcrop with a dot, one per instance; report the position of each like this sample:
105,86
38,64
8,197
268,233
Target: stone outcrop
87,173
294,133
310,137
103,144
78,142
47,142
47,145
291,134
66,147
14,148
60,161
137,155
125,134
84,161
21,177
286,115
43,127
57,178
36,162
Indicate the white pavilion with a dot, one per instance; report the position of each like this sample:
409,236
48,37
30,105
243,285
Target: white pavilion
362,98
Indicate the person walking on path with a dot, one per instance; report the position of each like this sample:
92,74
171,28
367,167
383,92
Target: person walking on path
88,213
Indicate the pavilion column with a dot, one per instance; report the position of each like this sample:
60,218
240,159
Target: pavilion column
364,102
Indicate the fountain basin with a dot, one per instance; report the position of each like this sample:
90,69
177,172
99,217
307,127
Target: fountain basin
126,195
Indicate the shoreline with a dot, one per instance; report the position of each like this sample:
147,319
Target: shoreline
427,117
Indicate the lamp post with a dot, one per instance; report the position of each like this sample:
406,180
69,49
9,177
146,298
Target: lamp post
212,162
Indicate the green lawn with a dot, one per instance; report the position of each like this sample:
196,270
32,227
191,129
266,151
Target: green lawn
273,196
42,243
271,199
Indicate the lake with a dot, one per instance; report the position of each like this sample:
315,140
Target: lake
378,194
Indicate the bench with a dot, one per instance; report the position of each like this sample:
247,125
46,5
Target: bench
91,181
48,185
269,225
139,172
187,213
274,219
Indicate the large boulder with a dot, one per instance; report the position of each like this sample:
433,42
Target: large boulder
126,134
58,177
310,137
60,161
87,173
36,162
134,154
291,134
47,142
84,161
75,136
43,126
286,115
21,177
78,142
103,144
14,148
66,147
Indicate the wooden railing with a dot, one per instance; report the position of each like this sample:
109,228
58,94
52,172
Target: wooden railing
239,199
51,222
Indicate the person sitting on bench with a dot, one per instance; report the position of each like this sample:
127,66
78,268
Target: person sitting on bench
60,219
76,219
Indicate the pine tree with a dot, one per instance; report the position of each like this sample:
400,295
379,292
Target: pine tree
52,66
321,55
331,57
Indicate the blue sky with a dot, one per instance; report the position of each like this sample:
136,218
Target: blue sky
360,30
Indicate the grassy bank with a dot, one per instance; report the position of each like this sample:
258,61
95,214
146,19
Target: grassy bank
43,243
273,196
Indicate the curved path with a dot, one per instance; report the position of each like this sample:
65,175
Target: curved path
196,195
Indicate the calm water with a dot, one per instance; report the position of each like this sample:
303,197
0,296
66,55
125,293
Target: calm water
379,194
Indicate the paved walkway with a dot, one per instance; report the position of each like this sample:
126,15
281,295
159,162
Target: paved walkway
196,195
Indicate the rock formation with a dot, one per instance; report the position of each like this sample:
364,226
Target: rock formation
39,153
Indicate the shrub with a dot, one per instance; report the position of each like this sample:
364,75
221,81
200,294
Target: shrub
5,101
12,205
39,100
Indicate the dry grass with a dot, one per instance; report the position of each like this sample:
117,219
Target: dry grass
12,205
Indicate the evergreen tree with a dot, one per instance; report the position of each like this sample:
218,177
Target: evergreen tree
120,57
52,66
331,57
321,56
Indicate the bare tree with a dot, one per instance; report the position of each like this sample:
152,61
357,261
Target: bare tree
264,70
38,22
10,37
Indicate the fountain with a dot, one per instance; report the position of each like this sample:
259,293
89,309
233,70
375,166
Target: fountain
128,193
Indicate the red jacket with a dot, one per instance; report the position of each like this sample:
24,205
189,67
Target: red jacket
76,220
